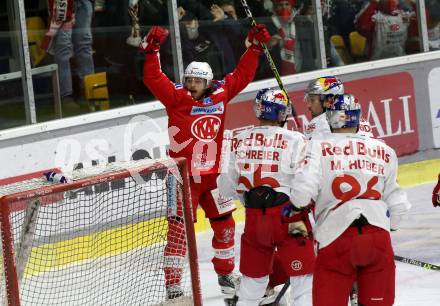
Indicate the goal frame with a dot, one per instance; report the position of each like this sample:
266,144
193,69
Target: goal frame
10,269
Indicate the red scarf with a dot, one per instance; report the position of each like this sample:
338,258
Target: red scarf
61,15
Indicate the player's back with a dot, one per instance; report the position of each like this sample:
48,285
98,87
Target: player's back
355,175
268,155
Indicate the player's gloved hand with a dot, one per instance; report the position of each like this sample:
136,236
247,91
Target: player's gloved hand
257,35
155,37
298,219
436,194
54,177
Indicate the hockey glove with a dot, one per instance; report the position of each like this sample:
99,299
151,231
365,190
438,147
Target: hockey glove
54,177
436,194
298,219
257,35
156,37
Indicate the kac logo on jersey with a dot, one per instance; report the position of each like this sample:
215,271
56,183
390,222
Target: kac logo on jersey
206,128
218,108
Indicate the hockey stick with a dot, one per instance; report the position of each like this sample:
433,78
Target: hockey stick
269,58
282,292
28,228
417,263
354,295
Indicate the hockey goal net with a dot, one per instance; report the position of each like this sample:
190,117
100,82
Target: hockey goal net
97,240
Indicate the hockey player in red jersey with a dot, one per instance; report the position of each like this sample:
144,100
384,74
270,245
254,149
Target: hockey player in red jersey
196,116
259,173
358,201
436,193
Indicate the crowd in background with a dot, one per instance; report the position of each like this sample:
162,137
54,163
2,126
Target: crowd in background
214,31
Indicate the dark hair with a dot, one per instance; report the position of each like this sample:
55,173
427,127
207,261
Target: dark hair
188,16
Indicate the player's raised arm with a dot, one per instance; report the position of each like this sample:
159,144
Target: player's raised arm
244,73
156,81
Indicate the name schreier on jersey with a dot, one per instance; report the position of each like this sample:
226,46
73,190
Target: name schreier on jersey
356,149
260,142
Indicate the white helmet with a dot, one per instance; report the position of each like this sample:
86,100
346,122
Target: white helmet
327,85
344,111
272,104
199,70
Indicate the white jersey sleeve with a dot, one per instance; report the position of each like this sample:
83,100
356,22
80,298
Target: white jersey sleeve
228,178
395,196
349,175
317,127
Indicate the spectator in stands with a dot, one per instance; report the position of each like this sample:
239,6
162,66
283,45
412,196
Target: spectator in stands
70,35
282,28
212,41
226,21
306,55
229,8
432,11
196,45
385,26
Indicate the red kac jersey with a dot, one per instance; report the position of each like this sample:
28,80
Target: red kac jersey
195,127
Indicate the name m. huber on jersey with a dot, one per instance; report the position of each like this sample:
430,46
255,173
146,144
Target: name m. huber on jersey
355,149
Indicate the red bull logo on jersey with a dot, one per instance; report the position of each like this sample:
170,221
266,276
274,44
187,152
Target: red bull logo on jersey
206,128
355,148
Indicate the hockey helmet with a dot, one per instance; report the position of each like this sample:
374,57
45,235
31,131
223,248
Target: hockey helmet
200,70
343,111
327,85
272,104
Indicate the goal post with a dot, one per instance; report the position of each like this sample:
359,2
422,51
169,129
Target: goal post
98,239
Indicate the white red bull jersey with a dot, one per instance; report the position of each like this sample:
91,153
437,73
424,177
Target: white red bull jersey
317,126
265,155
349,175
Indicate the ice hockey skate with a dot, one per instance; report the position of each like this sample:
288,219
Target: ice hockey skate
228,283
270,297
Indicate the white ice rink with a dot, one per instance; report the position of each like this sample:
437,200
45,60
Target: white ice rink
418,238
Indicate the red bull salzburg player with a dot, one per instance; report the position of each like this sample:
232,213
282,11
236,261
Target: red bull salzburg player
358,201
196,116
260,172
317,96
